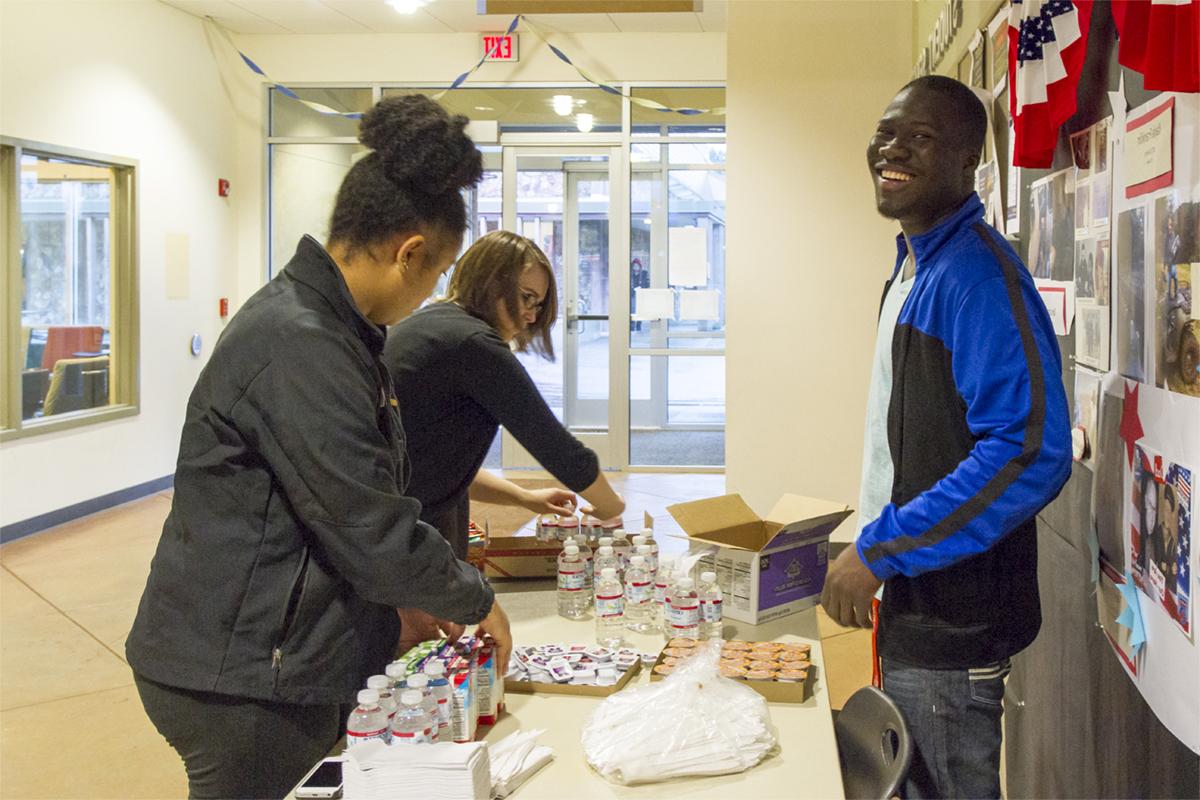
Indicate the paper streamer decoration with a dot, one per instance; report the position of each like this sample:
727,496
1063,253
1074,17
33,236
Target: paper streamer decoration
321,108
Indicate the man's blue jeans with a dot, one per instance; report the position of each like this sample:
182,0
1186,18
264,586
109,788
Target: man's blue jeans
954,718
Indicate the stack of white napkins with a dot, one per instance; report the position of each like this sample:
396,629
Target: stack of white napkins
447,771
514,759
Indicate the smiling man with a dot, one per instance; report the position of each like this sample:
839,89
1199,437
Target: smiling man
967,438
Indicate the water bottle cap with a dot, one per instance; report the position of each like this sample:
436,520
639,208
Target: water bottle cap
606,541
644,549
638,561
708,577
571,550
395,670
639,540
686,583
368,697
435,669
648,533
411,697
619,533
609,572
418,681
606,550
378,682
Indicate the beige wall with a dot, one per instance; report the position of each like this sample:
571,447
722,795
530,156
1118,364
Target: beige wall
807,253
132,79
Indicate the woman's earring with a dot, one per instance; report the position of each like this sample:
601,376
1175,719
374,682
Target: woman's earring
404,264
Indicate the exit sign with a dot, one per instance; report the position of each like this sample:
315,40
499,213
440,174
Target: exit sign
500,47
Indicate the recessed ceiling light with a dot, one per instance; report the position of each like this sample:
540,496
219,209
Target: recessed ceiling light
563,104
407,6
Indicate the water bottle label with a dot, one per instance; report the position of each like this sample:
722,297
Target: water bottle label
610,606
355,738
571,581
660,593
413,737
710,610
443,712
638,593
682,617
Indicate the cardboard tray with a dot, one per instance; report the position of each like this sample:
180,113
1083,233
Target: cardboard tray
773,691
529,687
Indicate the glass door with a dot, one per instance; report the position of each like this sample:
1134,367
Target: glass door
562,199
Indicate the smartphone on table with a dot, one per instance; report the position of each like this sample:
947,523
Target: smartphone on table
323,780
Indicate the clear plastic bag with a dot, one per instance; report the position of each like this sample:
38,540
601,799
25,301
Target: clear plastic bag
694,722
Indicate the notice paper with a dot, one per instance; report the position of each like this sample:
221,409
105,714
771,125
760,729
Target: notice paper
177,265
700,304
652,304
688,256
1148,148
1059,297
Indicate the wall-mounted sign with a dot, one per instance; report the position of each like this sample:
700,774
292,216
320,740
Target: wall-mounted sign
947,25
500,47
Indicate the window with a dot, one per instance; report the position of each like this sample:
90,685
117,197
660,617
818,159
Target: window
70,288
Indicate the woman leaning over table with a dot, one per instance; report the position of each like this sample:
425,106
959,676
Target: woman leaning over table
291,539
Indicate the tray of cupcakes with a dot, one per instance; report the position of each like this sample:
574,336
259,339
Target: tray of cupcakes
782,672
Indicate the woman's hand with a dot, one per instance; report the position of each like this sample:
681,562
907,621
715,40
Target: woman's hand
417,626
495,625
549,501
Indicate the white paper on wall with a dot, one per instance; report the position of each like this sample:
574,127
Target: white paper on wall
688,256
652,304
177,266
700,304
1059,297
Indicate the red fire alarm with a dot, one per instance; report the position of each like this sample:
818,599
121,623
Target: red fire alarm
222,187
224,307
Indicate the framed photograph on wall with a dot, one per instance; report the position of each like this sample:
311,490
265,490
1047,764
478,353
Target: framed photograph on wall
998,49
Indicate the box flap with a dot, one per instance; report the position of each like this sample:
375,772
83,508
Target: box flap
725,520
796,508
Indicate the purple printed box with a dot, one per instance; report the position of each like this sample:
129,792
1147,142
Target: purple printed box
767,568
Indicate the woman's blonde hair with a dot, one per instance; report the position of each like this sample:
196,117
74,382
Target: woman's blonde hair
490,271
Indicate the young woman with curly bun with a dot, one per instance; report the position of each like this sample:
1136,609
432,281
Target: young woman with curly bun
457,380
290,541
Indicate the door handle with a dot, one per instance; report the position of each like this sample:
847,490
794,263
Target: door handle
572,319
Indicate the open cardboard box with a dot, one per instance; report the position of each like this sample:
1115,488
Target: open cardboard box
766,568
529,687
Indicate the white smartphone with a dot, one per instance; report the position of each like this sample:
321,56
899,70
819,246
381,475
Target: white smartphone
324,780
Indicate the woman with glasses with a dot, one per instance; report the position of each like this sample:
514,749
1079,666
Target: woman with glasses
457,380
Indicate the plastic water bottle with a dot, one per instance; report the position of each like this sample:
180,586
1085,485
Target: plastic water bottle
420,683
610,609
442,691
604,541
639,597
662,584
621,547
412,724
572,577
367,721
710,598
683,610
547,528
585,553
568,527
387,701
605,557
396,674
652,561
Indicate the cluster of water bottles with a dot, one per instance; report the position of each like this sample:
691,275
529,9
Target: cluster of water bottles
399,709
630,588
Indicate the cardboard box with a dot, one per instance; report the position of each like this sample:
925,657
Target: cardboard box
773,691
521,555
767,568
529,687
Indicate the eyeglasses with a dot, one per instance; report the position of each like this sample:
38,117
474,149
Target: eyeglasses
530,302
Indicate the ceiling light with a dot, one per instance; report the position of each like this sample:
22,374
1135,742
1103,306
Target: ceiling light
564,104
407,6
484,108
584,122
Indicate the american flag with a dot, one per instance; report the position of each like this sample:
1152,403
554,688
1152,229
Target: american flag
1161,40
1047,45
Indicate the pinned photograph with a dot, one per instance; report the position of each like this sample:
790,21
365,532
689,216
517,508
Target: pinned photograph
1160,528
1086,411
987,186
1177,326
1091,335
1130,318
1085,269
1103,279
1100,147
1101,197
1081,152
1052,226
1083,208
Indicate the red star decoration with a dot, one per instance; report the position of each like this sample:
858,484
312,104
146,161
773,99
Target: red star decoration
1131,423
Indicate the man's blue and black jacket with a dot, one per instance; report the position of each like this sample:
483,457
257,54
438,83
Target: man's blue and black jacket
980,440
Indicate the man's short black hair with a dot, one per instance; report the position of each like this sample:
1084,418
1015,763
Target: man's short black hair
969,110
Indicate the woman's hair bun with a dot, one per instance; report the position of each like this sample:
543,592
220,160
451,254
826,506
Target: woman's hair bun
420,146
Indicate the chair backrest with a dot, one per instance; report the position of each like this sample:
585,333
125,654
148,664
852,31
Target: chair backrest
70,384
63,341
874,745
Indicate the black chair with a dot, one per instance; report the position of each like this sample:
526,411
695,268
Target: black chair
874,745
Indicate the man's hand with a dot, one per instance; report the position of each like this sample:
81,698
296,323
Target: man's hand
550,501
416,626
849,588
496,626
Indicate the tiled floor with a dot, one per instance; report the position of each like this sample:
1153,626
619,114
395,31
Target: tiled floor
71,724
